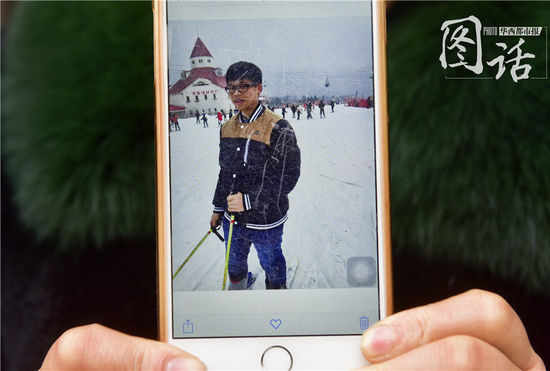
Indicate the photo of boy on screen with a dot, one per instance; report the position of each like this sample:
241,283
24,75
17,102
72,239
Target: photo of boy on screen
259,163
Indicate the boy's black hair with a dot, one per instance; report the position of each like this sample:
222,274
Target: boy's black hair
244,70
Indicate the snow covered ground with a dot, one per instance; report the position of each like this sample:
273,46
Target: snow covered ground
332,214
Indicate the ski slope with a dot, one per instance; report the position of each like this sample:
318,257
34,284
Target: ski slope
332,214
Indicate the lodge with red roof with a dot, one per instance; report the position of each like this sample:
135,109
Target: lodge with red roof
200,89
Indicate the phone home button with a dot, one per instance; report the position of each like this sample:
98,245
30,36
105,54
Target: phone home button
276,357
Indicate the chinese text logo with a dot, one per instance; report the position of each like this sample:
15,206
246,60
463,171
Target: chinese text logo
461,47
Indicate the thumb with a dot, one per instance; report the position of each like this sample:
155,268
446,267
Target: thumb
95,347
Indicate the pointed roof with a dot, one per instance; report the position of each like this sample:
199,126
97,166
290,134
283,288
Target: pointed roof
200,50
208,73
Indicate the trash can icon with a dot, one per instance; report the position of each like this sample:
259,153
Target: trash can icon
364,322
188,327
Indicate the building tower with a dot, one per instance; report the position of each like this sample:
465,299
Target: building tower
200,89
200,56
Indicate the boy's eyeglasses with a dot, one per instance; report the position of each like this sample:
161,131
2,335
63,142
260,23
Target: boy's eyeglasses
241,88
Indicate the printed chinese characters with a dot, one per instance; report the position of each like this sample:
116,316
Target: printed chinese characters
461,46
516,66
457,41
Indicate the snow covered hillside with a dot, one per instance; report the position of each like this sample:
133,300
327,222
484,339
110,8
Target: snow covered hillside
332,214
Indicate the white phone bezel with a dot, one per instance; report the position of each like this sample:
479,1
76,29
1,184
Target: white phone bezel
309,352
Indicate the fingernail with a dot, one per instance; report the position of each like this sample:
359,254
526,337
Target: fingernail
184,364
379,341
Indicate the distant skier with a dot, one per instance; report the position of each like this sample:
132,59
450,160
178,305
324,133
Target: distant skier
220,118
253,184
322,110
224,115
298,112
197,115
332,105
230,113
204,121
283,111
176,122
308,110
170,122
293,109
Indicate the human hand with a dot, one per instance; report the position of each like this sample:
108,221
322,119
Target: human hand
474,330
235,202
95,347
215,220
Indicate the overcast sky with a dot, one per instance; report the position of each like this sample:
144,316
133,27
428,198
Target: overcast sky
297,45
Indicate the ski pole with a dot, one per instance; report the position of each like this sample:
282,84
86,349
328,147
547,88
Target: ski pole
215,231
196,248
231,222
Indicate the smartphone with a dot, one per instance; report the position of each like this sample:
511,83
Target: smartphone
272,181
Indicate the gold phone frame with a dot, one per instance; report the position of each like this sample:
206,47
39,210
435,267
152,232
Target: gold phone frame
382,162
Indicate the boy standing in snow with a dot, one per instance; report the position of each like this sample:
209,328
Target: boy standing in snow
259,166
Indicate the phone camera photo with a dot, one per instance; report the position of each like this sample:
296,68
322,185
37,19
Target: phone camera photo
272,181
273,168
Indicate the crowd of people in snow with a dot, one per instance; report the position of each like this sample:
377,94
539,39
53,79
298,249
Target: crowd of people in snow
297,110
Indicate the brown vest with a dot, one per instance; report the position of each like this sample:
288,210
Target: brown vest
259,130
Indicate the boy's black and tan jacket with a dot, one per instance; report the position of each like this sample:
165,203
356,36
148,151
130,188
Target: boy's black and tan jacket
260,158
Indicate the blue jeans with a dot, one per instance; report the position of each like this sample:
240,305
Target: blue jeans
268,246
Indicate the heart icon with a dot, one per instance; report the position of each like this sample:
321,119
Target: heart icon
275,323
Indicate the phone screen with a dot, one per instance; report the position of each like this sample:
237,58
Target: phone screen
295,153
